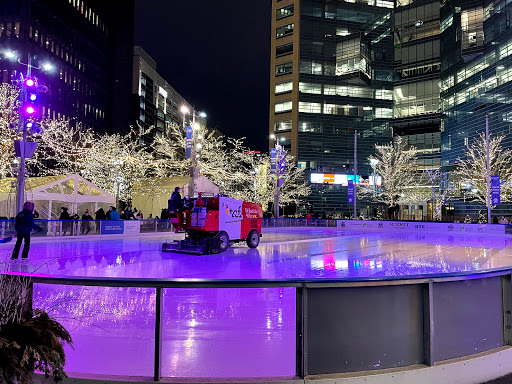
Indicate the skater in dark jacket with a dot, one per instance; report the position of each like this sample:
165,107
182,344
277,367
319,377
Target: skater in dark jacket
175,209
24,224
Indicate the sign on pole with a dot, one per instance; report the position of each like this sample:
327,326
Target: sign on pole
495,190
350,192
189,136
273,160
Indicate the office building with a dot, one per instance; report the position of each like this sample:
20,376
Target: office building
90,46
331,74
476,74
155,103
336,67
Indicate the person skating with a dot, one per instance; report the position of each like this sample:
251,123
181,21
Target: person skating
24,224
86,226
65,217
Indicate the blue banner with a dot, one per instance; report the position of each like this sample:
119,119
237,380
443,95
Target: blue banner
350,192
495,190
112,227
190,134
273,160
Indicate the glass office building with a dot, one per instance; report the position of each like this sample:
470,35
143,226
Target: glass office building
332,74
476,74
341,66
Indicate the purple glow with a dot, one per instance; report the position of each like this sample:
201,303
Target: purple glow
30,110
223,332
29,82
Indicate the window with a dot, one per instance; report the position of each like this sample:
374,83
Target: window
285,30
283,106
284,68
284,87
285,49
281,13
283,125
311,67
310,107
310,88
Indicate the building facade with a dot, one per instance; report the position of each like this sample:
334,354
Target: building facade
155,103
90,47
331,75
476,81
340,66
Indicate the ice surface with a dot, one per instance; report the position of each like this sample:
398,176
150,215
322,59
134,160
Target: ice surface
223,332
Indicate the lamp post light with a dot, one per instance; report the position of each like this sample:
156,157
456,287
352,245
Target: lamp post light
196,147
29,95
278,165
373,163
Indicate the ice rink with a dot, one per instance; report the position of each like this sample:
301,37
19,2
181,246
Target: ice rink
220,332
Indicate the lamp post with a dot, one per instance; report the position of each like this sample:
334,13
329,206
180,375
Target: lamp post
279,155
29,90
196,146
373,163
255,171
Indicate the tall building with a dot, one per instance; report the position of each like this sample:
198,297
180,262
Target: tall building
417,110
89,44
155,103
476,79
340,66
331,74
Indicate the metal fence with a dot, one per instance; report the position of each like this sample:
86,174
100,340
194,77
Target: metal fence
359,324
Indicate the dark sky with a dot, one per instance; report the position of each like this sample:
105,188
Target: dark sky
216,54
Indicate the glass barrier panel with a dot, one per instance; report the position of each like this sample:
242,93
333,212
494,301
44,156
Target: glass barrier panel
112,328
228,332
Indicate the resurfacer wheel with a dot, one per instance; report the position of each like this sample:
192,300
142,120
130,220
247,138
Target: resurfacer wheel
253,240
223,241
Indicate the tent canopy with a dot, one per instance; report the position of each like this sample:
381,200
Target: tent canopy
68,190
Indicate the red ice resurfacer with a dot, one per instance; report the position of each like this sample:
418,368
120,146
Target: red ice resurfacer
217,222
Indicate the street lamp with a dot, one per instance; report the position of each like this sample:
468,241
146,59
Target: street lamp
195,148
277,166
373,163
29,95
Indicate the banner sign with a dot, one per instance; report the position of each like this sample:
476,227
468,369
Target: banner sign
273,160
189,136
112,227
131,227
495,190
350,192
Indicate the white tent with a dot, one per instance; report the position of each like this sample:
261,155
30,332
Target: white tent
50,193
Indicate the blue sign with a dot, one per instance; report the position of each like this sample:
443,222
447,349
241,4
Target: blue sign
273,160
112,227
495,190
350,192
190,134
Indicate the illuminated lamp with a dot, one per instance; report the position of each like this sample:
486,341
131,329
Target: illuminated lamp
30,110
29,82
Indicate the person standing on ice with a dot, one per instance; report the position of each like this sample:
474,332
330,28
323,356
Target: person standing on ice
24,224
86,226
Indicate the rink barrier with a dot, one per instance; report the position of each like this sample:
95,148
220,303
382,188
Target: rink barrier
391,226
75,228
363,325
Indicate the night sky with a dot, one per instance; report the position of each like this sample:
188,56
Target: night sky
216,54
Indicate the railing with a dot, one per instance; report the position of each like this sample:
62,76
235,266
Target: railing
56,228
361,324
